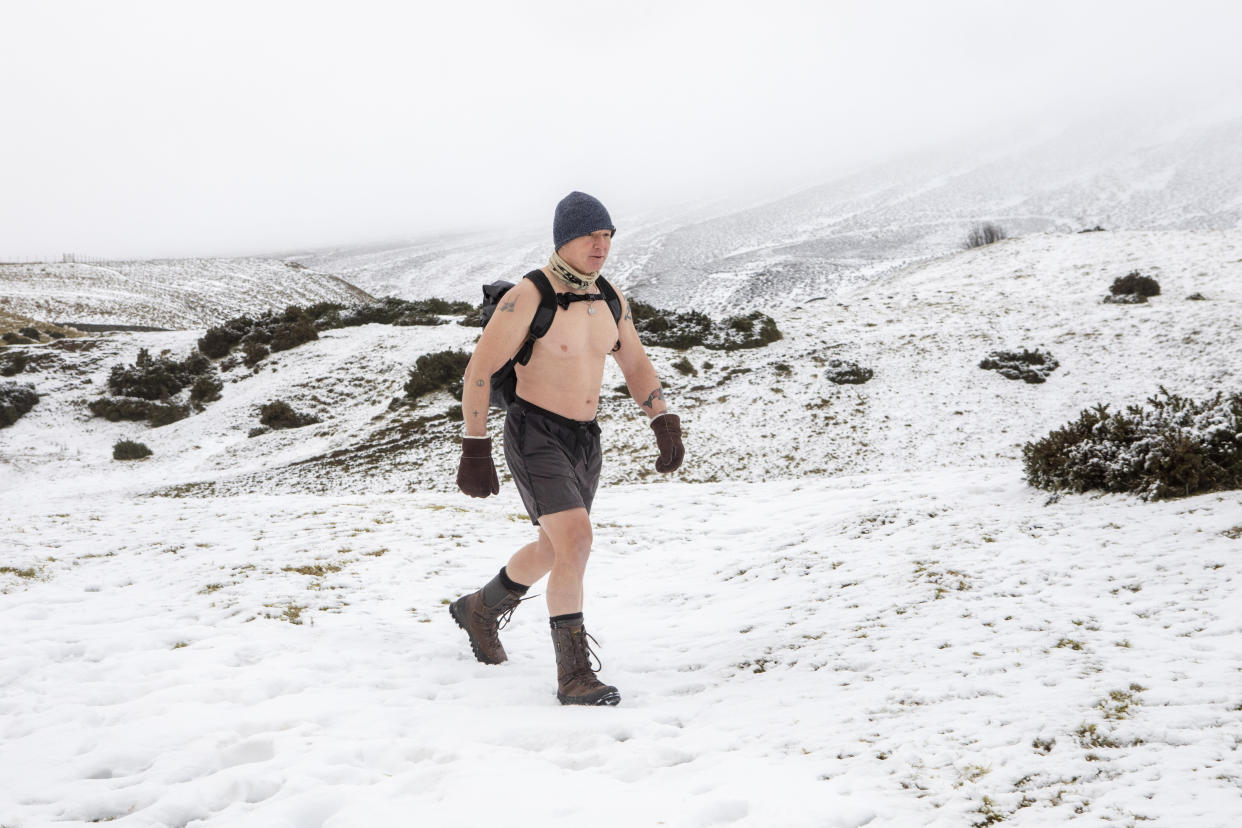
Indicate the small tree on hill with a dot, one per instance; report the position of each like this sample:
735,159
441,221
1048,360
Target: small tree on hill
984,234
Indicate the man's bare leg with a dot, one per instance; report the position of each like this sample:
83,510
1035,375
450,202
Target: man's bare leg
569,534
532,561
576,683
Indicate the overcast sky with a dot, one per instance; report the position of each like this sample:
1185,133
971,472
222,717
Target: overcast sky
217,128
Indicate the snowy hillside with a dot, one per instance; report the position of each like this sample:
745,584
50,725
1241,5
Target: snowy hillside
846,609
849,231
164,293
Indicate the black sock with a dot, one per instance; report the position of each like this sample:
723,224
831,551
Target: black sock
572,619
510,584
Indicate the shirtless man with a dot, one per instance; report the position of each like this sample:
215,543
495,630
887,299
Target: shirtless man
552,441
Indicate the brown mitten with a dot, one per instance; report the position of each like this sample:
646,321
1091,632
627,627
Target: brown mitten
476,474
667,428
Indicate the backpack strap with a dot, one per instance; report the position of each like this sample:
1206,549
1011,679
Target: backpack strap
614,303
544,314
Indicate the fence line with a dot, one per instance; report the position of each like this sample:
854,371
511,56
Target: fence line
63,258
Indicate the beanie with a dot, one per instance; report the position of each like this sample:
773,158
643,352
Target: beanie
578,214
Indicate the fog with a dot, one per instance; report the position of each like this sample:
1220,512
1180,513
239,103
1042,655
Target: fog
146,129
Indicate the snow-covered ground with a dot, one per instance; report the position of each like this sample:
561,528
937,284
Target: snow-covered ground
848,609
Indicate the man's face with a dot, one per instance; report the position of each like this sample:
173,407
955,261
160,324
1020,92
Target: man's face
586,254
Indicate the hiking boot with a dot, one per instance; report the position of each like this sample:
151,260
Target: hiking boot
575,679
482,615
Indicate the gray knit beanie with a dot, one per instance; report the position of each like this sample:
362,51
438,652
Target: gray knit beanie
579,214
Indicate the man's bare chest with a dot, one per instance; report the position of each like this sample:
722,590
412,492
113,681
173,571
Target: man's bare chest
578,333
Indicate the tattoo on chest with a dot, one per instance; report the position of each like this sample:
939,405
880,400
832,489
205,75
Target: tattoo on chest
652,397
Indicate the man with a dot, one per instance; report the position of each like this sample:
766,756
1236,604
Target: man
552,441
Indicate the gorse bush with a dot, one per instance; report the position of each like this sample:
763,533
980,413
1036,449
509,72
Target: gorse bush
442,370
688,329
151,378
298,325
1172,447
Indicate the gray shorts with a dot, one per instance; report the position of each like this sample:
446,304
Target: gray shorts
555,461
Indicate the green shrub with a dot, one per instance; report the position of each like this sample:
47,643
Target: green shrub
16,400
685,367
30,333
279,414
1028,366
442,370
1173,447
129,450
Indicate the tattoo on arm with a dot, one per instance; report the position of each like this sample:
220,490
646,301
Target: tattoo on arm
479,384
507,307
652,397
629,315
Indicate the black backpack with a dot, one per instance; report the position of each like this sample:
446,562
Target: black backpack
504,381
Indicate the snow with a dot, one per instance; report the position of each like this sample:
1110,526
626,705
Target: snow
847,609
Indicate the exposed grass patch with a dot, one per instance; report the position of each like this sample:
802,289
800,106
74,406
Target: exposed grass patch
316,570
28,572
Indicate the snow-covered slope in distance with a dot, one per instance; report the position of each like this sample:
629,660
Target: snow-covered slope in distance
843,233
165,293
749,415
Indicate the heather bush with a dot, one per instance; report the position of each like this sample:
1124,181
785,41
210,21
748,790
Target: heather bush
16,400
1172,447
442,370
843,372
30,333
129,450
1028,366
1134,284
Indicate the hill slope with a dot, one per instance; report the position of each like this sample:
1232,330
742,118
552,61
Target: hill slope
165,293
849,231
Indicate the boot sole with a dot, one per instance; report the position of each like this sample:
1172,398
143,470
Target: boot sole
607,698
474,645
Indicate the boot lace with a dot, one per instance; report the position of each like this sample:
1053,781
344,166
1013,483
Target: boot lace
505,617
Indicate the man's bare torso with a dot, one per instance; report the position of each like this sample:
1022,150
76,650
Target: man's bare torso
566,365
